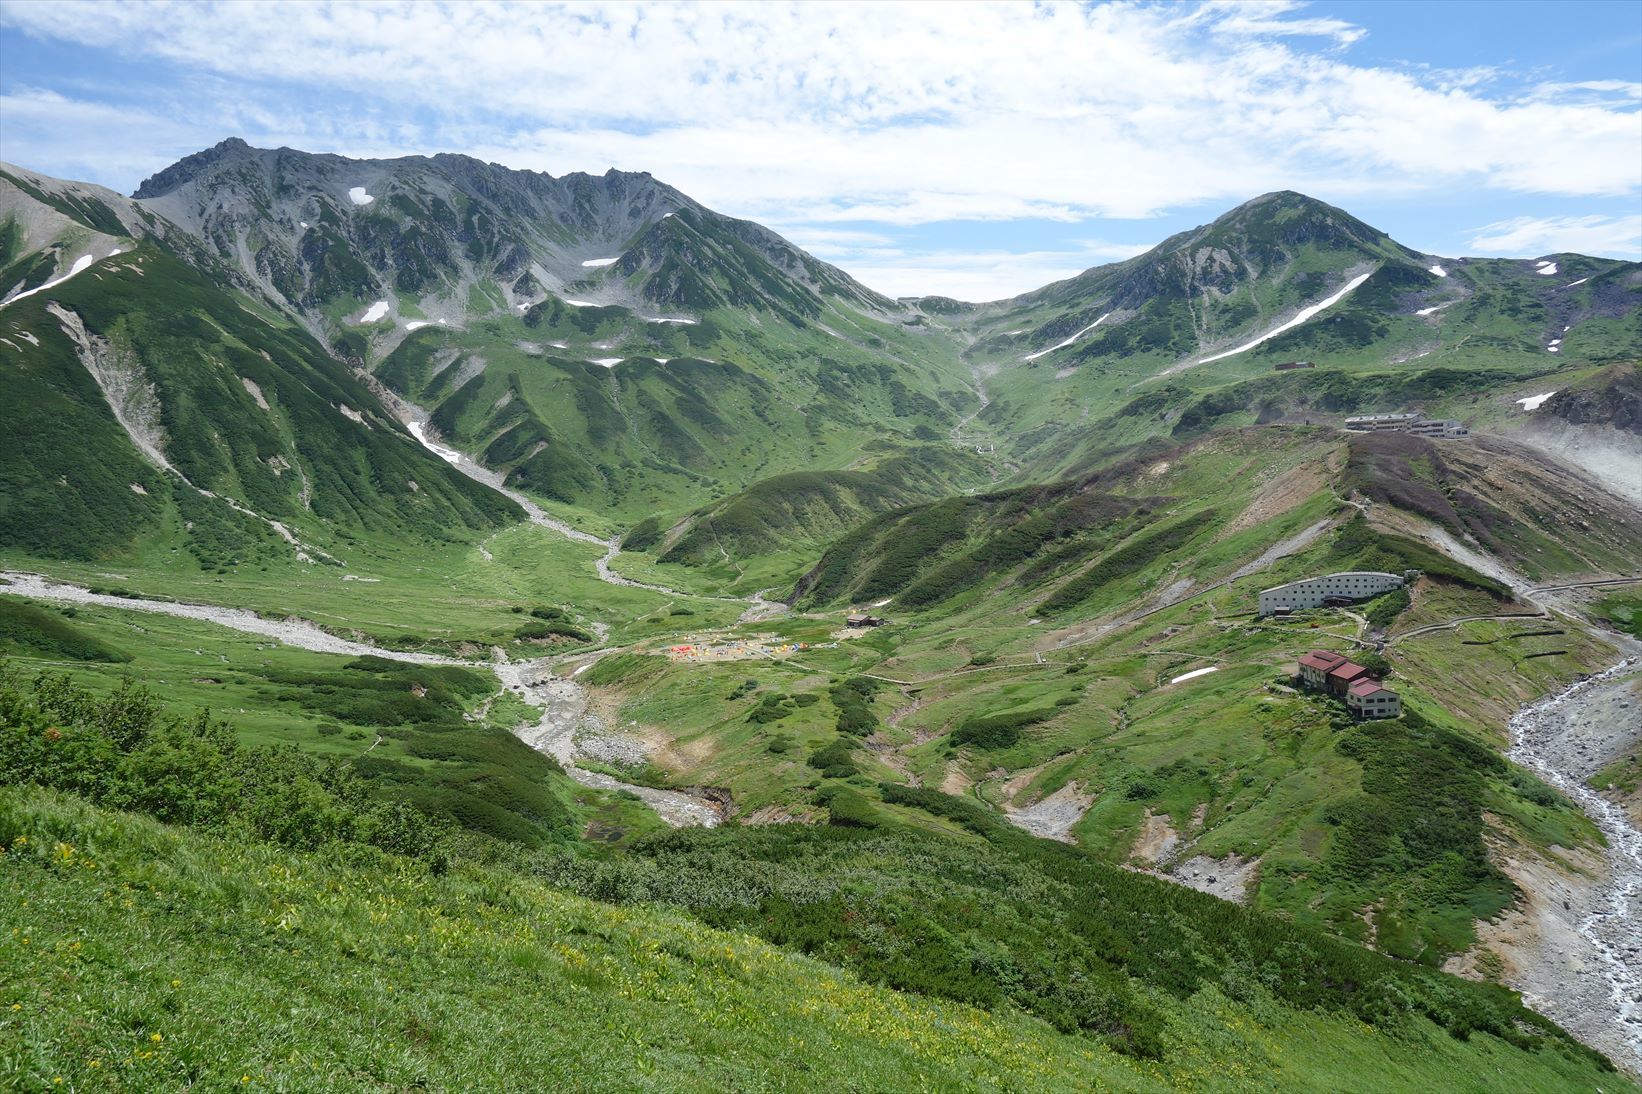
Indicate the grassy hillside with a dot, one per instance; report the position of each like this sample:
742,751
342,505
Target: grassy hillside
688,413
236,403
346,967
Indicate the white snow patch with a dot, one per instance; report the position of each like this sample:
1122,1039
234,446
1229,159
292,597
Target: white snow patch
304,223
580,303
1012,333
558,345
602,261
664,319
418,324
1556,342
1533,402
1304,314
358,196
115,251
449,455
881,603
1435,308
1069,341
29,338
1195,673
80,266
1553,349
1571,284
1439,271
376,311
1542,262
522,307
1547,269
608,362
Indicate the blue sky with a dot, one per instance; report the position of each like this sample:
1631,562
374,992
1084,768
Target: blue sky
977,150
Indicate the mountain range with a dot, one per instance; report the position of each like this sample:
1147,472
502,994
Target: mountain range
500,302
509,521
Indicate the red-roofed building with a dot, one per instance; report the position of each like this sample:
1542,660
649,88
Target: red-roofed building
1342,676
1314,667
1371,699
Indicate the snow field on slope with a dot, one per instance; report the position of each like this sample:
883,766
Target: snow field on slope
81,265
1304,314
1069,341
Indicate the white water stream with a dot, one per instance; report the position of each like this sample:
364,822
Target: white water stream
1603,1003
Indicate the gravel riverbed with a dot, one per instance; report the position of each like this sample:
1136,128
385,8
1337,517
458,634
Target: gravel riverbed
565,717
1589,980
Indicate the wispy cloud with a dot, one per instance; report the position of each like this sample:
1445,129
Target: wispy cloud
832,117
966,274
994,110
1530,237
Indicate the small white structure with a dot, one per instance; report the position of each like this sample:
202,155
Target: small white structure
1345,587
1378,423
1438,427
1406,423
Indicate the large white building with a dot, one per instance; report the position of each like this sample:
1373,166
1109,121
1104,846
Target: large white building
1314,592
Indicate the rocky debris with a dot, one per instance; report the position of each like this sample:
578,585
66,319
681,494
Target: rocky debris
1054,816
1231,878
1563,739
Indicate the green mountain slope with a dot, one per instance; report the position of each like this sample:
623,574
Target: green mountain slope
147,402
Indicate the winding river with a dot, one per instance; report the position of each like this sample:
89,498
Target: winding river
563,702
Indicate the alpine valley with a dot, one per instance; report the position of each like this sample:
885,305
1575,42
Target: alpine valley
470,628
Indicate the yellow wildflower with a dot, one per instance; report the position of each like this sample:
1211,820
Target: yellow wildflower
155,1037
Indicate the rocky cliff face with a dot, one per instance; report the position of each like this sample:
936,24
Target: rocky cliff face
1613,398
453,236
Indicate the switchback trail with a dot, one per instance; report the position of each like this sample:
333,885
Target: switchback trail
564,703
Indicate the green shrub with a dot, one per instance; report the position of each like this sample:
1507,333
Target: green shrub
1384,611
834,760
994,731
37,632
853,698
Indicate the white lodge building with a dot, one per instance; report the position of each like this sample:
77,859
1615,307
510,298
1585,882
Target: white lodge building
1314,592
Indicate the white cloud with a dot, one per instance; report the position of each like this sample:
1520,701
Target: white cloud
828,117
964,274
1532,236
892,112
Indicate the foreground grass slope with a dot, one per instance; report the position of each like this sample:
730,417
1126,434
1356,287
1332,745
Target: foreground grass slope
137,956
